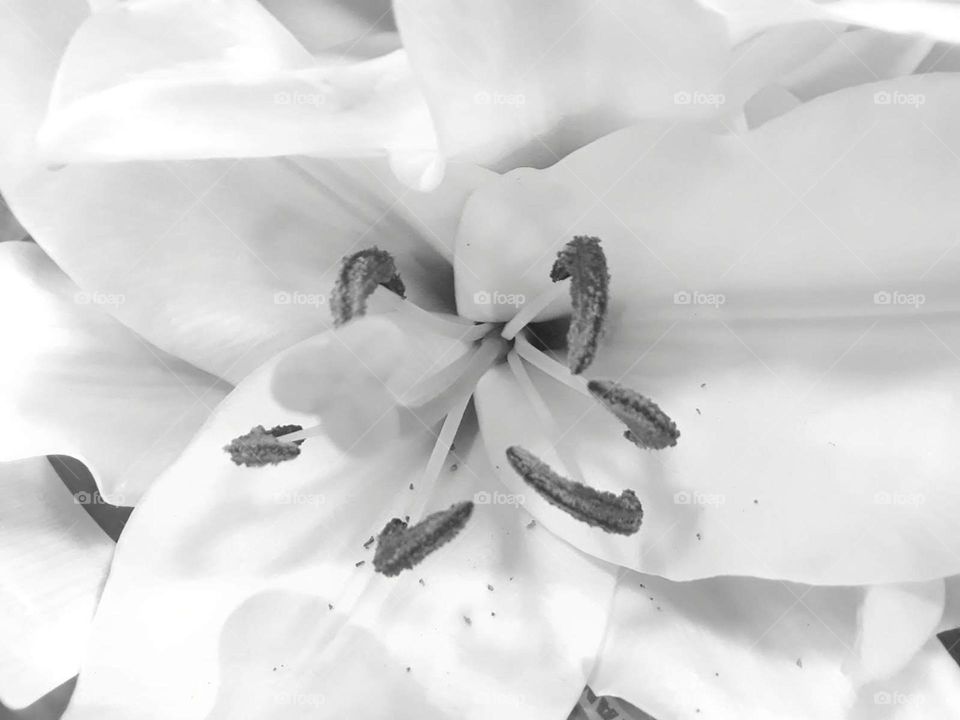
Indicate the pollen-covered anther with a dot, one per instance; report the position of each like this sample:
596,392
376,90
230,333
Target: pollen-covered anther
261,447
648,426
360,274
621,515
583,261
400,547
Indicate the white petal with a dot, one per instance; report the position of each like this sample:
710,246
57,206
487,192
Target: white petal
729,648
929,687
229,614
514,84
53,562
182,79
74,381
791,303
896,621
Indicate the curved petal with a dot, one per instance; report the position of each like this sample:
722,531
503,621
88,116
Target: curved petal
53,563
938,19
855,58
929,687
896,621
74,381
788,297
261,600
729,648
183,79
510,103
347,29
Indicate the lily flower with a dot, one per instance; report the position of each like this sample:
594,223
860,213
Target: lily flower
766,426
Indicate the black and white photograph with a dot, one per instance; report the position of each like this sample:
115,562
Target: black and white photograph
479,360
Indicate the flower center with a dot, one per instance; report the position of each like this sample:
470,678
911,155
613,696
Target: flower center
444,396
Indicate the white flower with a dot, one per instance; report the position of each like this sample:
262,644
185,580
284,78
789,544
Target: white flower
798,396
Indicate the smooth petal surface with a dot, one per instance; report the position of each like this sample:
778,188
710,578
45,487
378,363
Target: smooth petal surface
513,84
730,648
938,19
896,621
338,27
179,79
53,561
789,299
929,687
74,381
262,601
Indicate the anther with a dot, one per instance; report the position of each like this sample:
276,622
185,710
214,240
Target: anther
583,261
400,547
620,515
360,274
648,426
261,447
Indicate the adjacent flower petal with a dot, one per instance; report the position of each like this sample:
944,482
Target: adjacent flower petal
729,648
262,601
344,28
181,79
789,298
53,562
929,687
557,78
74,381
896,621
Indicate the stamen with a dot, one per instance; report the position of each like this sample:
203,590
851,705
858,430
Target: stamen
649,426
583,261
620,515
261,447
448,326
401,548
360,274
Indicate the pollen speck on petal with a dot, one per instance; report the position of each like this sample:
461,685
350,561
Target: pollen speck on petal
648,426
621,515
360,274
401,548
584,262
261,447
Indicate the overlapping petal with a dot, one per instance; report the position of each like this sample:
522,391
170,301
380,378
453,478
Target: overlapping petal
262,601
74,381
183,79
789,298
513,84
53,560
730,648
